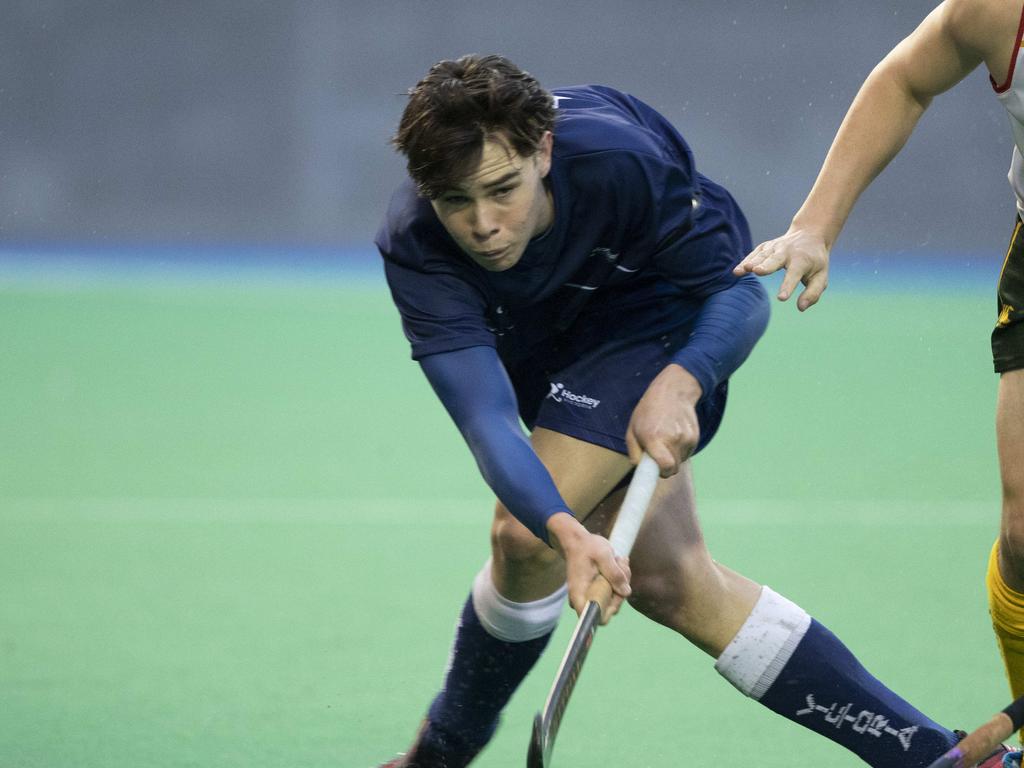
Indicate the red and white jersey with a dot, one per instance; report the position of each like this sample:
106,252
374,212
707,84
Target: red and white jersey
1011,93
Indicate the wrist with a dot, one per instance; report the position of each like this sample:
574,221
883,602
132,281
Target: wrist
809,226
686,383
563,530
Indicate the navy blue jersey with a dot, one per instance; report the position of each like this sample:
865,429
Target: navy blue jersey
631,216
634,225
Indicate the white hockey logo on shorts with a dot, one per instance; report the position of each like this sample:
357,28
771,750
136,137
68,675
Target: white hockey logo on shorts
560,394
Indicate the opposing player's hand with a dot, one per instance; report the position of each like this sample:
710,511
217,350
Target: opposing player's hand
664,422
587,555
802,254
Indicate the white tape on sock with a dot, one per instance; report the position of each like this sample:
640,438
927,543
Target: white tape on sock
510,621
754,658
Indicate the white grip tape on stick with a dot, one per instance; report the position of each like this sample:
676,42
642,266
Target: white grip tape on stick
631,514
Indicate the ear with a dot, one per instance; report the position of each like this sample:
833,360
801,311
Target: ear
543,154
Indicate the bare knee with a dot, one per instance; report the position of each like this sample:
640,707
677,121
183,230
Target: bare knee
658,595
1011,471
703,601
1011,539
513,544
674,593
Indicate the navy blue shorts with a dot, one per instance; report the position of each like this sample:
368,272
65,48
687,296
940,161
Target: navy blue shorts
587,381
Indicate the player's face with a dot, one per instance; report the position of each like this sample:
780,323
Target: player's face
495,211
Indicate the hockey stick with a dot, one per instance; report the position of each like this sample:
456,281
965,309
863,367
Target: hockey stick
627,524
980,743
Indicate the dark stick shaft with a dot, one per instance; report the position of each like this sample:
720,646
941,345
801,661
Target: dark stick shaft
550,720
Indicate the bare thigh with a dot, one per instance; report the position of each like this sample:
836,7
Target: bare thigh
523,567
1010,441
675,580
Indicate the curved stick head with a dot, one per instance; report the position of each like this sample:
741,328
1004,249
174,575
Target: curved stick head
537,757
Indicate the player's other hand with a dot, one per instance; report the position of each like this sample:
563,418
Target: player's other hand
587,555
664,422
804,256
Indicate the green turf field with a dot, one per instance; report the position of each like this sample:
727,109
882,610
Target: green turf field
236,529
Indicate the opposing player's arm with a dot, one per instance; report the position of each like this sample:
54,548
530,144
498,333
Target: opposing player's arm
932,59
945,47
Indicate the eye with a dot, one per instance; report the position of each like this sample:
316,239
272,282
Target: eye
453,200
503,192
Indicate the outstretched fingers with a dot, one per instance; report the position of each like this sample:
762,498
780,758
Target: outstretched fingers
816,285
763,260
796,272
803,255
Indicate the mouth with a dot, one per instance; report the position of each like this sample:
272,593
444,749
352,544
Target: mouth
493,255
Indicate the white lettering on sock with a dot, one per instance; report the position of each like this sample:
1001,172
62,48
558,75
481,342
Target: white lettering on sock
864,722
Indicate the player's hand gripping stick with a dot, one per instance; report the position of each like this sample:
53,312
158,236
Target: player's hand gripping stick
599,594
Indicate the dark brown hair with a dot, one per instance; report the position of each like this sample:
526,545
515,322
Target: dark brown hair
460,102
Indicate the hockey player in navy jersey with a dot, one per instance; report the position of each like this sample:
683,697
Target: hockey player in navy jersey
556,258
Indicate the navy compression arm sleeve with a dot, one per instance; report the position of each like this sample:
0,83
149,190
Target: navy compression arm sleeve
475,389
728,325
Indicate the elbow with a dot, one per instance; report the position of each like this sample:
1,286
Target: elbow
759,307
890,82
476,435
762,310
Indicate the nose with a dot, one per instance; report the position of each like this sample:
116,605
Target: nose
484,224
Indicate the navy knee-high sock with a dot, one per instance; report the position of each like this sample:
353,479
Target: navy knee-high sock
483,673
823,687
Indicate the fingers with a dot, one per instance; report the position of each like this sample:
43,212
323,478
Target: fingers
619,576
751,261
746,266
789,283
810,295
669,443
665,458
803,254
605,581
579,589
620,590
633,445
613,608
763,260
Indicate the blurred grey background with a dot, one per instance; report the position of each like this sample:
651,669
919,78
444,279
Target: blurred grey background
253,123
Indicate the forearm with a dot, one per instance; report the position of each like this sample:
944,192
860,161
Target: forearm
878,124
725,331
475,390
511,468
